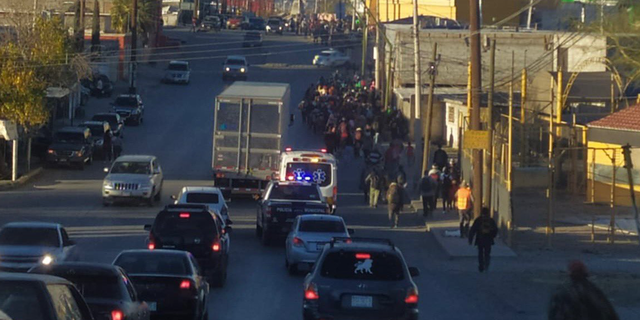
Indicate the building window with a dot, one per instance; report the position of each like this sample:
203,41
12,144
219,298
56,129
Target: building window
451,115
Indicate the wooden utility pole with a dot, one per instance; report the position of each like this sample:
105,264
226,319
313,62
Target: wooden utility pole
365,45
510,133
134,43
476,87
626,151
95,28
416,72
489,151
433,71
524,148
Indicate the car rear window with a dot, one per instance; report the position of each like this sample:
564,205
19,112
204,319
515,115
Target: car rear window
153,263
319,173
111,119
350,265
185,223
178,67
126,101
294,192
69,137
202,197
321,226
18,236
21,300
96,287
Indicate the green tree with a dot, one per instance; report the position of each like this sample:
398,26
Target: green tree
147,15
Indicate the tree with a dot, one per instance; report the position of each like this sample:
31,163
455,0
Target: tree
147,16
95,29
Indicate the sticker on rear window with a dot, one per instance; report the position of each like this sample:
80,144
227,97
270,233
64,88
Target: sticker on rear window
363,266
319,176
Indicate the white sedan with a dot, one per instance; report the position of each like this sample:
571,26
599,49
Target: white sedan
330,58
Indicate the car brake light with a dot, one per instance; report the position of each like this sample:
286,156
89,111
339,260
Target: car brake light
288,149
298,242
290,178
151,246
215,247
335,192
412,296
323,150
311,293
363,256
184,215
185,284
116,315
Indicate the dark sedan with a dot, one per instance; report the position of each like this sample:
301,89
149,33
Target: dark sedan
106,289
170,281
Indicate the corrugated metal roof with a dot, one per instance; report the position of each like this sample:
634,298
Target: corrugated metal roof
627,120
256,90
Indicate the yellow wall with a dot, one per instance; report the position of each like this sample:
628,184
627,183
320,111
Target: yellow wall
404,9
603,188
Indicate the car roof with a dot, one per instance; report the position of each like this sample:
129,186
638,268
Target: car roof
32,277
156,251
329,51
93,123
236,57
112,114
178,62
135,157
201,189
79,268
43,225
319,217
127,95
293,183
72,129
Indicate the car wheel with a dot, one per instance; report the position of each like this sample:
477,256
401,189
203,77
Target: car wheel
258,230
149,201
219,278
105,203
205,315
158,196
292,268
264,238
81,165
140,121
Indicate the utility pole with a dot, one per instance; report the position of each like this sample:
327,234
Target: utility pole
134,43
489,151
433,71
196,8
353,16
529,14
476,84
81,31
416,70
95,29
626,151
365,45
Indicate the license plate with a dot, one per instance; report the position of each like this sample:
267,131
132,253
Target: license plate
362,301
63,160
153,306
126,194
319,246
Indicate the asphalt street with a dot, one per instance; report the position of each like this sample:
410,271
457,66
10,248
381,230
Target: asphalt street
178,130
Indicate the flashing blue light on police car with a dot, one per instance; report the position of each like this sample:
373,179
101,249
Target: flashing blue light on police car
298,178
307,178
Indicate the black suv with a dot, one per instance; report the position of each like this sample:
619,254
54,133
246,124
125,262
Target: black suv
130,108
360,278
198,230
71,146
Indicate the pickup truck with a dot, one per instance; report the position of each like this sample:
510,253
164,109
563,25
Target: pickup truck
282,202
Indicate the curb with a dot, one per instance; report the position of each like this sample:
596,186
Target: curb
451,256
10,185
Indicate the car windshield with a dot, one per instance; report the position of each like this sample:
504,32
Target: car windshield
274,21
96,287
25,236
153,263
193,223
69,137
319,173
178,67
350,265
235,62
324,54
111,119
126,102
294,192
256,21
202,197
321,226
21,300
133,167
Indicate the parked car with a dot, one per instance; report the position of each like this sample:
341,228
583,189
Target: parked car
97,128
170,281
252,39
106,288
256,24
99,85
211,23
116,123
235,22
130,108
235,67
330,58
309,234
177,72
24,245
361,279
133,177
40,297
274,25
71,146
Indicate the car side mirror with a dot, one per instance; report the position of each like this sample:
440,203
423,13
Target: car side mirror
351,231
228,222
147,227
70,243
173,197
414,272
156,171
228,229
105,169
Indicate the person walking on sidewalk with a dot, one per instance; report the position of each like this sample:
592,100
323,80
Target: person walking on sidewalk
375,181
445,190
395,198
428,189
580,299
464,202
484,230
436,175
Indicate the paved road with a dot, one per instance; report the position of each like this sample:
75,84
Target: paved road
177,129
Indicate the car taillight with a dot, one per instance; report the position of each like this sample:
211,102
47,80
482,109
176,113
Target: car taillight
310,292
335,192
185,284
412,296
117,315
152,242
363,256
297,242
290,178
215,247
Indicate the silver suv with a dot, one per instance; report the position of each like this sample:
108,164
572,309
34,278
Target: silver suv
235,67
133,177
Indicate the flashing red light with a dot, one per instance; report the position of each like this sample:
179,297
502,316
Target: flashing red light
185,284
363,256
348,241
323,150
290,178
311,293
412,297
215,247
288,149
116,315
151,246
184,215
297,242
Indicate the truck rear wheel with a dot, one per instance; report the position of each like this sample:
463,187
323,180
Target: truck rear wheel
264,238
